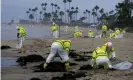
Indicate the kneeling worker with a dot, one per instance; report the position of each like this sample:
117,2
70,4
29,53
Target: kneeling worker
61,47
90,34
102,55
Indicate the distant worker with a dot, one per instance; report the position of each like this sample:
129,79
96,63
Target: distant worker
66,29
61,47
117,31
54,29
112,34
78,34
76,29
104,31
102,56
90,34
21,35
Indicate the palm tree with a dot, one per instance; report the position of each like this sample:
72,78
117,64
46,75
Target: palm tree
36,13
55,5
27,12
111,12
84,15
31,17
42,6
33,12
96,8
69,3
101,11
45,4
88,15
52,4
68,15
65,1
49,16
40,15
72,8
93,14
76,12
61,13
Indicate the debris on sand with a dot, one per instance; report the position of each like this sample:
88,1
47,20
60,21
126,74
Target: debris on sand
5,47
52,67
35,79
30,58
70,76
86,67
81,59
73,54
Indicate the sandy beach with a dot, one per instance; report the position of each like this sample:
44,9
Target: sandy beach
123,48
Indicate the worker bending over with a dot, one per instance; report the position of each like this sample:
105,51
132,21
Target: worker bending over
102,56
61,47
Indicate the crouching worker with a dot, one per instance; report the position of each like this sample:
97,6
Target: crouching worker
102,55
90,34
61,47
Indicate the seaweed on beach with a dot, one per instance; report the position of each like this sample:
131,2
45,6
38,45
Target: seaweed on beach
31,58
70,76
5,47
52,67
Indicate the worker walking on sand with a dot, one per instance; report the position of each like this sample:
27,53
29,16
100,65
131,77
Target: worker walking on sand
61,47
54,29
90,34
66,28
76,29
104,31
102,56
21,35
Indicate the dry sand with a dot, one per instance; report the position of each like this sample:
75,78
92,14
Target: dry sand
123,48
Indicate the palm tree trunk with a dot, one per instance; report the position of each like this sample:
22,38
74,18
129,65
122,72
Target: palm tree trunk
65,10
93,19
68,15
36,16
89,18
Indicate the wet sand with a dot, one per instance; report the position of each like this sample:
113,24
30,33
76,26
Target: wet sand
123,48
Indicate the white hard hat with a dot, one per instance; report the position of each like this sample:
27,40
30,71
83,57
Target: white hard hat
69,40
17,27
53,23
109,44
89,30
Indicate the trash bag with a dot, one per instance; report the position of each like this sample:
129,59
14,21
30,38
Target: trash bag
122,66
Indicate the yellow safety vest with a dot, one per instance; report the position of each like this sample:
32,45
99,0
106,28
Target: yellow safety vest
104,28
54,28
22,31
101,52
90,34
112,35
117,32
65,44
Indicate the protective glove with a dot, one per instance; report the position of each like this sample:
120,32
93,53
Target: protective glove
67,65
114,58
45,65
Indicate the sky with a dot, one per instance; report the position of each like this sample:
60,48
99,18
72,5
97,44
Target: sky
16,9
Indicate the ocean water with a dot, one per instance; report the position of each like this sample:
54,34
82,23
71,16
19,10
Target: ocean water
8,61
9,32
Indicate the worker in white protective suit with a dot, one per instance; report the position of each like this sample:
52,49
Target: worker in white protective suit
61,47
102,56
21,35
54,29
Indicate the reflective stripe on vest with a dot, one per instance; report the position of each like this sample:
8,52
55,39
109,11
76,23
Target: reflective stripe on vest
62,43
